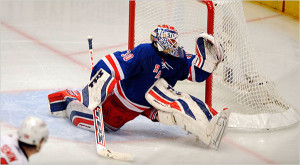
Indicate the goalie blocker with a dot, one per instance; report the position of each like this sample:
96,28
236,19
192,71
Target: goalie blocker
189,113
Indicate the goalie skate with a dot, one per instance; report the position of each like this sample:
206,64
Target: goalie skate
220,128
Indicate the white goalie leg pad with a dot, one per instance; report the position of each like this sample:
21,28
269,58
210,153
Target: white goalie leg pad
80,115
166,117
101,84
190,113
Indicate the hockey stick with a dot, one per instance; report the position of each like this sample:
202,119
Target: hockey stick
100,139
90,39
98,122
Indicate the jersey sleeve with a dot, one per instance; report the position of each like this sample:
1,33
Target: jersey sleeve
195,74
10,152
120,65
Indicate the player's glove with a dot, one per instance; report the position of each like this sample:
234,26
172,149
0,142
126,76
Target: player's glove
209,52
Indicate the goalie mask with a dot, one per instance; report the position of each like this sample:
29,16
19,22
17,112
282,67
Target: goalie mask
165,38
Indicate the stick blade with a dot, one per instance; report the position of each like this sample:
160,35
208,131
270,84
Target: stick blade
104,152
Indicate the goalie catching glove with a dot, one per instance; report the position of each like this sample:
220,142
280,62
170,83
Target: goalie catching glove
188,112
209,52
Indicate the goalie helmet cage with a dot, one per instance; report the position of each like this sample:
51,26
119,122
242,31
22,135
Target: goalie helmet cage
237,83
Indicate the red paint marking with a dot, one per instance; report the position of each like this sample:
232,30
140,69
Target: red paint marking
84,52
42,44
262,18
248,151
32,90
98,49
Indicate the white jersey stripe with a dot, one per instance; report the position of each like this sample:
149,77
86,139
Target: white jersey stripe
129,104
126,103
118,66
193,73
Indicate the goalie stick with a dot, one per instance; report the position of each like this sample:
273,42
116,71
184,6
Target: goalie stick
98,122
100,139
90,41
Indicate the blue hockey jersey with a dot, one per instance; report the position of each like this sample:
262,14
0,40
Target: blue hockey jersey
138,69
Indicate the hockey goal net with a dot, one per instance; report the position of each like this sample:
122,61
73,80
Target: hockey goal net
238,83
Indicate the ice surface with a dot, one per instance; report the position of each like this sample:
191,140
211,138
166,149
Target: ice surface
44,49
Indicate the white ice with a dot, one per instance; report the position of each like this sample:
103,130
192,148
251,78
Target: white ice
43,49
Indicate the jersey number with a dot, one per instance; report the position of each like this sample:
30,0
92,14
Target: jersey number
127,56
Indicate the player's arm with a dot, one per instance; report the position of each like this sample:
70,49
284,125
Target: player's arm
111,65
110,69
209,54
120,65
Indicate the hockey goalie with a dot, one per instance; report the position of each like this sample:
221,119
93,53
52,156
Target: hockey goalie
126,84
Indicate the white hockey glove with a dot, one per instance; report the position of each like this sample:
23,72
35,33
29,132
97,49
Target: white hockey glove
209,52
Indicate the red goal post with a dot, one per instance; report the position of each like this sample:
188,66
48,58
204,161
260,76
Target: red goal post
238,83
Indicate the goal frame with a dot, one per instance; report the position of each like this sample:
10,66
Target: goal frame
263,121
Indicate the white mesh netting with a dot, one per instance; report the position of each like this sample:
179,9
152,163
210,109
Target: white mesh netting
238,83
